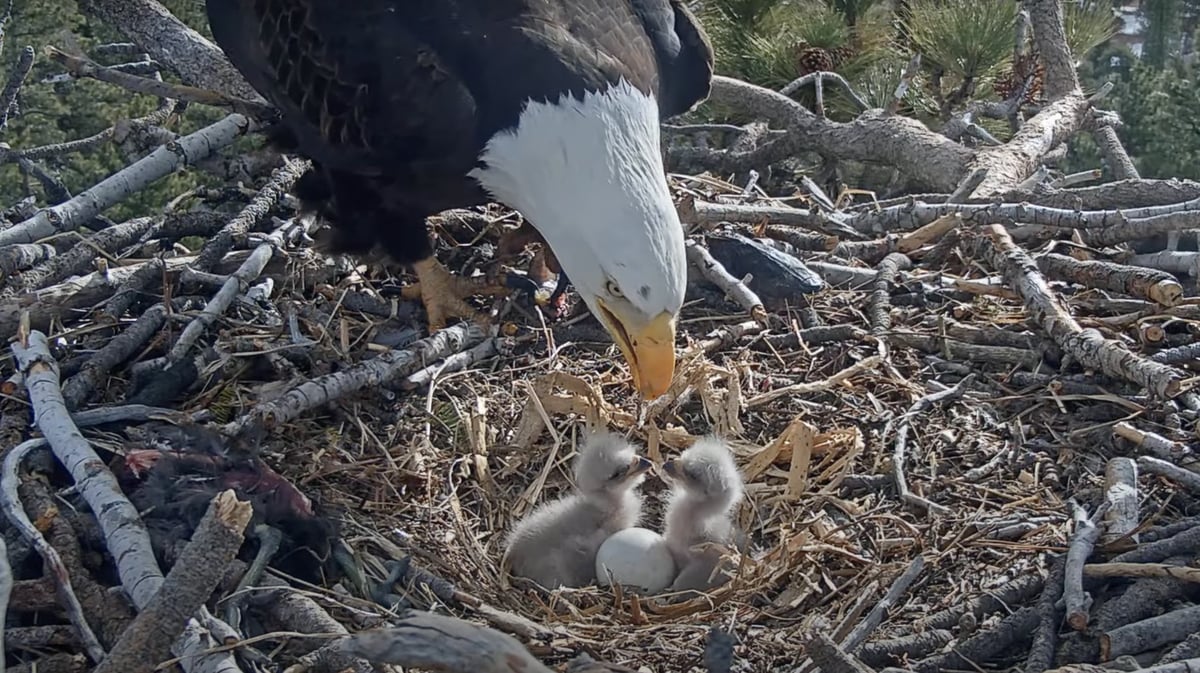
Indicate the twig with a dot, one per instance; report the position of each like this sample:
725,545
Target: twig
117,132
1088,346
1114,152
984,645
1078,178
809,387
93,373
1181,262
733,288
13,510
1182,543
1149,634
832,658
130,288
874,618
1015,592
186,588
910,647
234,285
83,254
269,539
1136,281
822,76
172,43
387,367
1083,541
693,211
112,190
1184,573
901,446
297,611
83,67
280,182
1156,444
16,258
1144,220
456,362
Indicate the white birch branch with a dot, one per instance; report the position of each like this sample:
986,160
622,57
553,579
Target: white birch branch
216,307
10,501
125,534
160,163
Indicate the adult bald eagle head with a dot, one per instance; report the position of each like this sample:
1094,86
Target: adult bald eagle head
552,107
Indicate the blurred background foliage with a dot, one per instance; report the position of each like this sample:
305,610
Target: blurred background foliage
967,48
1147,49
52,108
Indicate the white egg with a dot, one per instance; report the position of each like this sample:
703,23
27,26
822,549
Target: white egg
636,557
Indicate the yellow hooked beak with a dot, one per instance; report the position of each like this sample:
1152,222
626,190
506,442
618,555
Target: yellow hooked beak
649,348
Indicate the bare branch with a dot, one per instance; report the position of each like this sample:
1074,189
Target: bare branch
1088,346
115,188
170,42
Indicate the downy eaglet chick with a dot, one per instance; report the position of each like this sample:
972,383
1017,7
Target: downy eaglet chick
556,544
706,486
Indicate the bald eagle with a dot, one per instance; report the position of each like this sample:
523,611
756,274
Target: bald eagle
411,107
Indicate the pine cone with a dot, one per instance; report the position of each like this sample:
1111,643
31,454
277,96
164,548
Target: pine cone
813,59
841,55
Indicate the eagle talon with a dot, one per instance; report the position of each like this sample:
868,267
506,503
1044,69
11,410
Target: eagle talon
443,294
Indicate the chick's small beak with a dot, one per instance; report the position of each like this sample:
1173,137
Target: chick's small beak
649,348
638,466
670,469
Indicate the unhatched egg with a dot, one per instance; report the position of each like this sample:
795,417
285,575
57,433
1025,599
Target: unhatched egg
636,557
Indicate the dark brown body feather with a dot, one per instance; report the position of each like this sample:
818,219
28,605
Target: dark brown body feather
394,100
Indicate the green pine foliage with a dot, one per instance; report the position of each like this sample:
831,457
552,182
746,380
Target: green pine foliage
1160,109
56,112
967,39
966,45
1089,24
760,40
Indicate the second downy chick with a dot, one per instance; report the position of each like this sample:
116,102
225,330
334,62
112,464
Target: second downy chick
556,544
706,486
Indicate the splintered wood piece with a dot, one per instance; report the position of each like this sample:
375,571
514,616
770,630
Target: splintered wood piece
1121,493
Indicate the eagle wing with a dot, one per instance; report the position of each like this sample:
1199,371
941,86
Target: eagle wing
683,51
356,84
